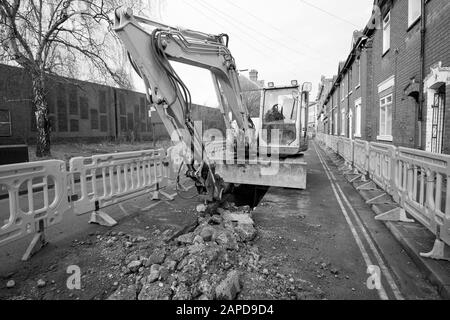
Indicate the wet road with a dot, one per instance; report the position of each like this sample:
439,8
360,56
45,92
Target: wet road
327,235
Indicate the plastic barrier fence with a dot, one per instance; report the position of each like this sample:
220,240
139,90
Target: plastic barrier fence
423,189
361,156
36,195
105,180
38,198
382,166
417,180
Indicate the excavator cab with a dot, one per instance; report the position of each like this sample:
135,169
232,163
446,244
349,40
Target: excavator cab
284,109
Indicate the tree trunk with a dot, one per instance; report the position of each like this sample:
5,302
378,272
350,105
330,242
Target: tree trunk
41,114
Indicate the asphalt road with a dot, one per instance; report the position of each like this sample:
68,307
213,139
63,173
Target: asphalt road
325,235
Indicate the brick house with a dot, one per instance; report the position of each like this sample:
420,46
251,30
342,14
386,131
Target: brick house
403,58
323,119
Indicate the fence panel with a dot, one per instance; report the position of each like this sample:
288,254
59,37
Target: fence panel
382,166
38,198
423,188
334,143
347,150
361,156
105,180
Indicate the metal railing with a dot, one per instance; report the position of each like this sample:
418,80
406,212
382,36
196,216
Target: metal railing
417,180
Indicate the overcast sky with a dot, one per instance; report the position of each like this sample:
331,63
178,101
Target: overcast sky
283,39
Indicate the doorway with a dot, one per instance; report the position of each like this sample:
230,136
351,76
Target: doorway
438,120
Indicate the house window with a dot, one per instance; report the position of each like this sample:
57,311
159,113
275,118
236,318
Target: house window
386,118
414,11
335,121
343,89
350,83
343,122
5,123
387,33
358,74
358,118
94,119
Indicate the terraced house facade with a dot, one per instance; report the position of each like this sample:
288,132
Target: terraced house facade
394,86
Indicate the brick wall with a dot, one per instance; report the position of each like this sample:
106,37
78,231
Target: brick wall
83,111
401,61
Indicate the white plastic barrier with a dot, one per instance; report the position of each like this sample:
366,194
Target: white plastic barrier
417,180
334,143
38,198
382,166
361,156
347,150
424,190
106,180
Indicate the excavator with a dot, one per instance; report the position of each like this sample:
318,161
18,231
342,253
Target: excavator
250,154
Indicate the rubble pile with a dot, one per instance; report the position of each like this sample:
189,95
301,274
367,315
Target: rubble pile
202,263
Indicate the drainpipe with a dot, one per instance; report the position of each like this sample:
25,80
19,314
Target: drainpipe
116,118
422,71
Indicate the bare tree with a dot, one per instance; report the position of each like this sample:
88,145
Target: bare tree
50,38
251,95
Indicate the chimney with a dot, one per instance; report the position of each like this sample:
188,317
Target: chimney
253,75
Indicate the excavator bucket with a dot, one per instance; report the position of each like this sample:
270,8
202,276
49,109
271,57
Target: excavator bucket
280,173
271,172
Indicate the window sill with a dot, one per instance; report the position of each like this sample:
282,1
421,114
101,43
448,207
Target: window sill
385,138
385,53
413,24
357,136
358,86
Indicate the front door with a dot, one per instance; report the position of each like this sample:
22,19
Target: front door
437,131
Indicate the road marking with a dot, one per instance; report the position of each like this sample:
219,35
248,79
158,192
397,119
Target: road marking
375,251
381,292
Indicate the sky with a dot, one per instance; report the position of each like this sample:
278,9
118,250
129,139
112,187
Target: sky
284,40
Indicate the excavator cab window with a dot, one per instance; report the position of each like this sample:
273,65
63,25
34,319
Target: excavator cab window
280,112
280,106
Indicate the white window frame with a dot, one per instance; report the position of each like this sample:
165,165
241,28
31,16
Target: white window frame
349,81
385,136
343,123
335,120
9,123
359,74
387,32
343,89
358,118
414,11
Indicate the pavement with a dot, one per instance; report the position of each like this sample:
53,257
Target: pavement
412,236
324,238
